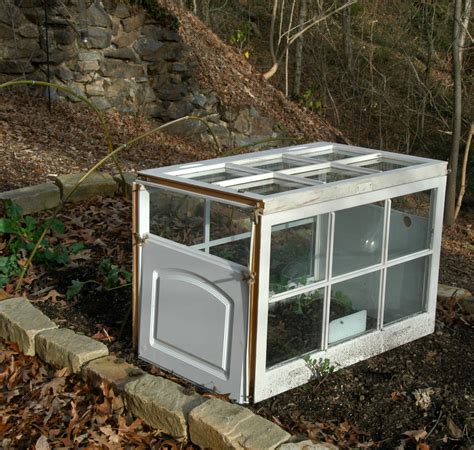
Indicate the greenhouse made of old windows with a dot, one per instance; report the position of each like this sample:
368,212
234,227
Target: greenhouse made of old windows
250,269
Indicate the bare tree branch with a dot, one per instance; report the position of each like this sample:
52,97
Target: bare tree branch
277,56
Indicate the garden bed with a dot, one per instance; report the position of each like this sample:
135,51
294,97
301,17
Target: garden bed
424,387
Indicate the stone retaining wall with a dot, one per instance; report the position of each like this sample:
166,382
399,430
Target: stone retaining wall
120,57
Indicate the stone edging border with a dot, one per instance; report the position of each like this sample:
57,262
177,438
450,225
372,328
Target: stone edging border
161,403
39,197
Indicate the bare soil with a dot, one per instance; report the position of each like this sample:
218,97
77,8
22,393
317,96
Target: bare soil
424,387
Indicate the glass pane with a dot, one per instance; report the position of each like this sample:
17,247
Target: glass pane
353,307
277,164
329,175
410,224
329,156
269,187
228,221
405,289
176,216
383,164
236,251
294,326
358,238
214,176
298,253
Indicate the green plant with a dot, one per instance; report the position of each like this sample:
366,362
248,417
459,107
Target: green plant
304,301
310,100
8,269
240,39
22,233
109,277
320,368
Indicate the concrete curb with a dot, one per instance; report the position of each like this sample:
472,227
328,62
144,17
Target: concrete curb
163,404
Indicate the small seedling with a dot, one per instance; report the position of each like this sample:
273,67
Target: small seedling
320,368
109,277
239,39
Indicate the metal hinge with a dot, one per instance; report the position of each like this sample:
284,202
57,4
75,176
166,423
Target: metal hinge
140,240
249,277
257,212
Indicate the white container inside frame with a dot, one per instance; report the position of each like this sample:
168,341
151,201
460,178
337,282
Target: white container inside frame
249,266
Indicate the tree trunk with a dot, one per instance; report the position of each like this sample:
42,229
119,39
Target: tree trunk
299,52
456,137
347,36
205,6
461,21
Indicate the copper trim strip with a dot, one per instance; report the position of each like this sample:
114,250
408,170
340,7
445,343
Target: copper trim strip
253,304
135,243
201,190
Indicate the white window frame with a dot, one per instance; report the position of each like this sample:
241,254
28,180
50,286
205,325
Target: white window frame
293,373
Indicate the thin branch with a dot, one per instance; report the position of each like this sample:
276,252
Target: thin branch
462,189
276,59
321,19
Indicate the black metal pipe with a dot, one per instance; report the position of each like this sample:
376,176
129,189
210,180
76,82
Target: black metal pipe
48,75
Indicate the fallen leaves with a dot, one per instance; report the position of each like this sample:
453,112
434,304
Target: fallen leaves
453,429
343,434
416,435
43,408
52,295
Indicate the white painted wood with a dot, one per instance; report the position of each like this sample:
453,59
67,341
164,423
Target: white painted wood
296,372
193,315
299,206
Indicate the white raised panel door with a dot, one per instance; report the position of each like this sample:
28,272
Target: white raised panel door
193,311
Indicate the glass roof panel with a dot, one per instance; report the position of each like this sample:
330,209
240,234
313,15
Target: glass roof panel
269,186
287,169
382,165
329,175
275,164
332,155
214,176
